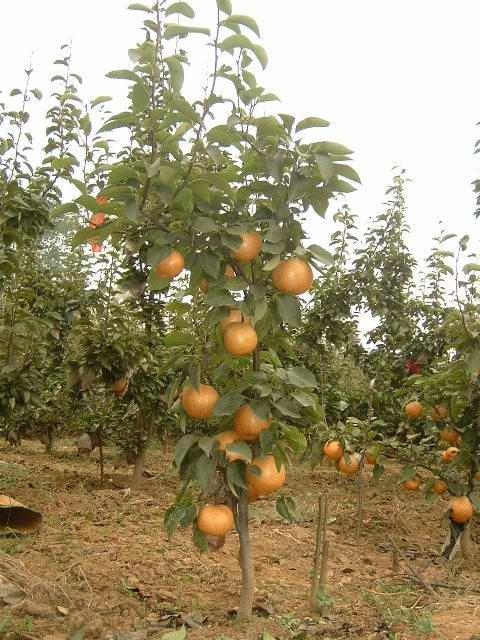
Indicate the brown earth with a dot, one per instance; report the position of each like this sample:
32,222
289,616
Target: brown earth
103,560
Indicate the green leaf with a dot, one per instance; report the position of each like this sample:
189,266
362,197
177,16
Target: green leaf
321,254
407,473
83,235
210,264
220,299
228,404
236,284
132,209
286,508
217,315
301,377
100,100
138,6
319,200
206,444
120,174
194,375
241,448
330,147
175,30
157,253
239,41
305,399
325,165
225,6
157,283
472,363
289,310
205,470
37,93
81,186
261,308
224,134
177,75
236,476
268,97
183,446
140,97
287,408
471,266
68,207
87,202
205,225
178,338
347,171
180,634
266,442
341,186
310,123
261,408
123,74
199,539
246,21
378,471
295,438
182,8
272,263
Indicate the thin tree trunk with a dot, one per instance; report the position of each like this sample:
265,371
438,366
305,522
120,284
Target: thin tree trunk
100,449
362,462
138,471
321,556
50,440
466,543
245,560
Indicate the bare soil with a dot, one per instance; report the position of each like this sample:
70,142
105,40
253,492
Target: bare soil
102,560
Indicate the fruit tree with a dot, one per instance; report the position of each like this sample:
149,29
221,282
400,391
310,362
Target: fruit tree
218,187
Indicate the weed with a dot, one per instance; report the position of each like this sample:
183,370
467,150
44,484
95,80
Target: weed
5,623
27,624
400,611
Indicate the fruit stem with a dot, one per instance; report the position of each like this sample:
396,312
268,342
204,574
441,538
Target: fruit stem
245,559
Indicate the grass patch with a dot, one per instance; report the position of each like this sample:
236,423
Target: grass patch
394,604
11,476
12,544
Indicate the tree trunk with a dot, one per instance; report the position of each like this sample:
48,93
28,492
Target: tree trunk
466,543
321,557
245,559
50,440
100,450
138,471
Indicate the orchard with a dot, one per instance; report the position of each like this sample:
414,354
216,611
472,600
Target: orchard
203,438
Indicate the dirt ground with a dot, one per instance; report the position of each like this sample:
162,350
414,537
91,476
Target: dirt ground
103,561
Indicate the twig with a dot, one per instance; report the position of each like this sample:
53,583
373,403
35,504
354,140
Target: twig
287,535
418,577
440,585
88,585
